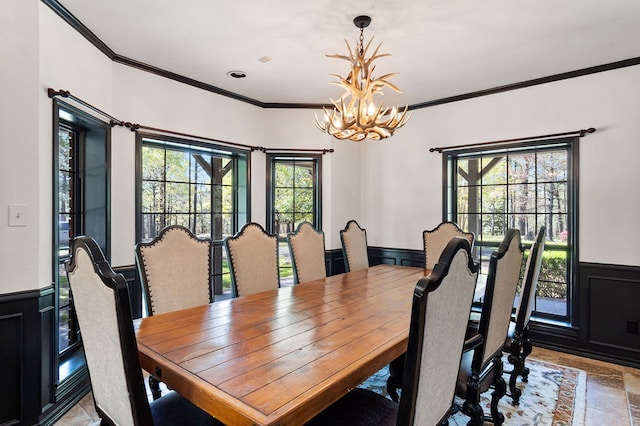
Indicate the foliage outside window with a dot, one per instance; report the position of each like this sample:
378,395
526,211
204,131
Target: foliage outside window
293,188
489,192
199,186
68,147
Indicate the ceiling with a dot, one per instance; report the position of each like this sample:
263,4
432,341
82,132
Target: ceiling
439,48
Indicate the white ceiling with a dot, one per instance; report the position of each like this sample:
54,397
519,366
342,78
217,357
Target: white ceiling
439,48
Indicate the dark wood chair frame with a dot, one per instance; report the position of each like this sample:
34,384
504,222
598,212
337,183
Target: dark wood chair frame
519,343
413,356
234,286
157,240
132,368
493,368
292,251
344,250
470,236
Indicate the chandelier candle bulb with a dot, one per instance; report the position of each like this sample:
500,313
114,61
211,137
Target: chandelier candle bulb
355,115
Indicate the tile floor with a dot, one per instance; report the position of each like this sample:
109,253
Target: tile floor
613,393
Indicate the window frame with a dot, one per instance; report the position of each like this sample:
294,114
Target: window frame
241,208
271,161
571,144
93,175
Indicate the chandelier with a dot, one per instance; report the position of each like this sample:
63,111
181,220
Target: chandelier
356,115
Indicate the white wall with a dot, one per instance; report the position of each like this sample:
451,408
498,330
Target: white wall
402,179
19,148
392,187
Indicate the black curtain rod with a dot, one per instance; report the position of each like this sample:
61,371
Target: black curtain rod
580,133
66,94
135,127
276,150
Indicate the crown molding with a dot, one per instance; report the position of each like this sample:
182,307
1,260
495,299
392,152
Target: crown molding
63,13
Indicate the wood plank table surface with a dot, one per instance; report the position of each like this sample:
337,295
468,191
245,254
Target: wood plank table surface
282,356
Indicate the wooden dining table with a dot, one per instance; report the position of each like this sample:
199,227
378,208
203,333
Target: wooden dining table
282,356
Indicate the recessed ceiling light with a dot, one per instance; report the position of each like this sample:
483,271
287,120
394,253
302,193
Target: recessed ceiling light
237,74
265,59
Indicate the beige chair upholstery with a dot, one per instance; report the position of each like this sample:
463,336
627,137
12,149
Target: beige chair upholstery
175,269
435,240
354,247
253,260
518,344
441,305
482,367
306,246
101,300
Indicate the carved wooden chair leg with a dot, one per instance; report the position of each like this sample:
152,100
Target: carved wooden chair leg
515,392
527,347
154,385
471,406
515,358
500,389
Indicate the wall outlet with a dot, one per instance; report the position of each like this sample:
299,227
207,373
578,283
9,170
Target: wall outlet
18,215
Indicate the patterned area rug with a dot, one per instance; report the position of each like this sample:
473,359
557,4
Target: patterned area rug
554,395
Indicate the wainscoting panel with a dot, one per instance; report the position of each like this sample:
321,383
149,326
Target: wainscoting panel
402,257
11,331
612,307
23,362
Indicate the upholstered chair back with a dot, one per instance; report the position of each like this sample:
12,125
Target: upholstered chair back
101,301
530,280
253,260
175,269
502,281
435,240
306,246
354,246
441,306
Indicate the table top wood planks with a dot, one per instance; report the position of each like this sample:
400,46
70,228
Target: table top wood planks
282,356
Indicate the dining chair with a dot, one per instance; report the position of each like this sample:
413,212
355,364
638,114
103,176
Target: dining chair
434,242
354,246
440,308
481,366
518,344
436,239
101,301
253,260
306,246
175,271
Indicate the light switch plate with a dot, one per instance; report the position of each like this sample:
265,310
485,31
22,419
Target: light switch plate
18,215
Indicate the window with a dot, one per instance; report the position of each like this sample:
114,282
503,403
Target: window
293,196
200,186
80,206
524,188
68,220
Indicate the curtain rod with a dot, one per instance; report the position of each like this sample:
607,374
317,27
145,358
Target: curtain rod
67,94
276,150
580,133
135,127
